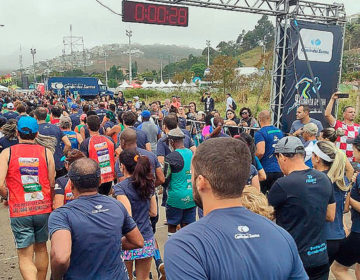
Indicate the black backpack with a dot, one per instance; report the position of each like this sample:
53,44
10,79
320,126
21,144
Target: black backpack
234,106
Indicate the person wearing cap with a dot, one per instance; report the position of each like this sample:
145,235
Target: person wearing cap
230,241
310,131
137,102
88,233
265,140
209,103
74,138
350,128
181,208
330,160
11,112
303,118
75,115
303,201
349,253
27,177
152,131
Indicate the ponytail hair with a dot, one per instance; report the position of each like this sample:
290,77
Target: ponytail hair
336,172
141,174
331,134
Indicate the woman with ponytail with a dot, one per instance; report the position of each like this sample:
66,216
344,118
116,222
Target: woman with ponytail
136,193
330,160
349,253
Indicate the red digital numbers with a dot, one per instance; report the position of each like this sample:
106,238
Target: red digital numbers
182,17
155,13
139,12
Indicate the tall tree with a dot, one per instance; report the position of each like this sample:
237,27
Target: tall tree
223,70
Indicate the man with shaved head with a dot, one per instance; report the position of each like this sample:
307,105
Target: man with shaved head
265,141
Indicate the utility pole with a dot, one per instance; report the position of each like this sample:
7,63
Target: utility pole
129,34
208,54
106,76
33,52
161,70
21,64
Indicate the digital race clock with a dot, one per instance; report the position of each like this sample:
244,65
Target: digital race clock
154,13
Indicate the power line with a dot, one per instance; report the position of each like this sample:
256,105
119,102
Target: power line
111,10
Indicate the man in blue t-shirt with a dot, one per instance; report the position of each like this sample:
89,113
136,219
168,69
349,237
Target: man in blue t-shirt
265,141
88,233
58,136
303,201
75,116
229,242
129,119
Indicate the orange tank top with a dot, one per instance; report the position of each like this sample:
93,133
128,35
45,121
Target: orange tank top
27,181
102,150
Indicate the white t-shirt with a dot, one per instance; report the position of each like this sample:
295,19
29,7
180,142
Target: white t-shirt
229,101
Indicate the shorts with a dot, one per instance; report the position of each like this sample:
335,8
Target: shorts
142,253
349,252
333,248
155,219
30,229
318,272
177,216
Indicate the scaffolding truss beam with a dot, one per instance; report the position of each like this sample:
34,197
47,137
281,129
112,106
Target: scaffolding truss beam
300,9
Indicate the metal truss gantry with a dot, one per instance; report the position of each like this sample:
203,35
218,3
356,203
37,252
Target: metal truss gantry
284,11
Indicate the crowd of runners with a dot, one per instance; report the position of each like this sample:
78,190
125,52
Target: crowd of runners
243,199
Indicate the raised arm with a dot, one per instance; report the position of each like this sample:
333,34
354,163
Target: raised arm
330,118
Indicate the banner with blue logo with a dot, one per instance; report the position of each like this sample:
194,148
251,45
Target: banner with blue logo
323,45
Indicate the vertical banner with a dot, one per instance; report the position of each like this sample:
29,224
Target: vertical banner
323,45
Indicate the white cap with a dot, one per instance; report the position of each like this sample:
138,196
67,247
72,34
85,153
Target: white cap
136,97
10,106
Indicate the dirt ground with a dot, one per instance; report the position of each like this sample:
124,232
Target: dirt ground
9,268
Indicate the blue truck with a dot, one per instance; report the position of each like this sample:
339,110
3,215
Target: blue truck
86,87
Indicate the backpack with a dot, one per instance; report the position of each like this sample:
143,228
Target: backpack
234,106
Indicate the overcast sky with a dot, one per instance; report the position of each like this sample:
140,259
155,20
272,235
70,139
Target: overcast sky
43,23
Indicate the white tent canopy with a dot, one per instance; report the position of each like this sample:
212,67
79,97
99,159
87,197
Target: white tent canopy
184,84
125,85
153,84
162,84
145,84
2,88
170,84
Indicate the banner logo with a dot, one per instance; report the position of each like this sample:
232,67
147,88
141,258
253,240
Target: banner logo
317,44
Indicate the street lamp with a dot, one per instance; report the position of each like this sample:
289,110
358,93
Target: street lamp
33,52
106,76
129,34
208,52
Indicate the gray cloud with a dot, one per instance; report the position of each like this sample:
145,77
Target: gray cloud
43,23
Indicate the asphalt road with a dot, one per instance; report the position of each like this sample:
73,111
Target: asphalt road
8,258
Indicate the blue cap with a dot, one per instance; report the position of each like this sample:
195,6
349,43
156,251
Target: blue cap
27,125
74,106
146,114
